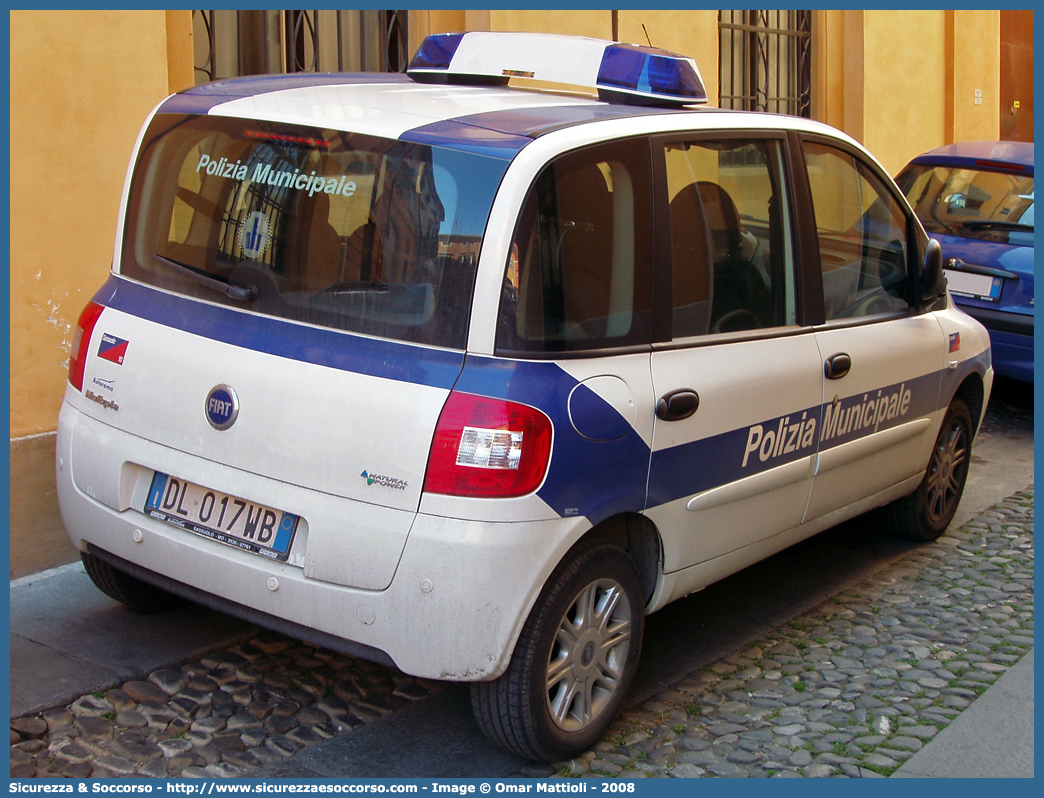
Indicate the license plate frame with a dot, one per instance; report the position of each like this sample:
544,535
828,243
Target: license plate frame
978,286
249,526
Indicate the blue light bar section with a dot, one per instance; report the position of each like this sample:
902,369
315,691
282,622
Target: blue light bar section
649,73
436,51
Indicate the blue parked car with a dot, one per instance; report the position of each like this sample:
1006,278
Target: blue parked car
976,199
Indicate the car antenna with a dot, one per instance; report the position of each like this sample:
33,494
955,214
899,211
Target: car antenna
646,35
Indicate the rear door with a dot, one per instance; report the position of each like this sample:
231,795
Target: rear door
574,325
740,382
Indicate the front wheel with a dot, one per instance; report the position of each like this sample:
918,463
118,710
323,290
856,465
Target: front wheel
574,661
925,513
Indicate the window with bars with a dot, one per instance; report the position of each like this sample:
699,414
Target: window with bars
232,43
765,61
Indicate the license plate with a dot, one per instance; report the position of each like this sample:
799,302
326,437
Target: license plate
980,286
246,525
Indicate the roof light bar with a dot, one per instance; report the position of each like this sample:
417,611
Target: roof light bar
626,73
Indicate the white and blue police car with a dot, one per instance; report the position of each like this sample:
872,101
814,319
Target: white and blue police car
467,378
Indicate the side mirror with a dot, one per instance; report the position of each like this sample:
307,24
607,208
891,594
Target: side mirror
933,280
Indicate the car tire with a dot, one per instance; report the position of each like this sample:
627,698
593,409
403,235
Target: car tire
126,589
925,513
574,660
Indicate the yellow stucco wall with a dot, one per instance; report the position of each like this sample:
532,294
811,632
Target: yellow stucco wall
903,82
598,24
82,82
974,64
828,67
903,78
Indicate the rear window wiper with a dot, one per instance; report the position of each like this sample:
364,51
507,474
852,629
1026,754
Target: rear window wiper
358,287
980,224
241,293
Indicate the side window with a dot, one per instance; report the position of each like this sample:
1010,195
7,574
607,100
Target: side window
862,232
579,274
731,247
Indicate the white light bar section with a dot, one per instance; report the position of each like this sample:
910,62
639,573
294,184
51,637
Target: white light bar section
540,56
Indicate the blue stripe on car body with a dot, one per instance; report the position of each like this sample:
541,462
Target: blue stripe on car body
707,463
376,357
596,479
617,473
620,475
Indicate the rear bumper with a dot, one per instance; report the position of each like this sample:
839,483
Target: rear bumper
1000,320
453,610
1011,340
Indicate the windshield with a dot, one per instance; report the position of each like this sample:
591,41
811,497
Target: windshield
971,203
348,231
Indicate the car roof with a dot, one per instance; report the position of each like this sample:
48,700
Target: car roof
495,120
491,120
1014,156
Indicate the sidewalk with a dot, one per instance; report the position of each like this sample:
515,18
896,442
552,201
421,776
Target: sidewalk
993,738
69,639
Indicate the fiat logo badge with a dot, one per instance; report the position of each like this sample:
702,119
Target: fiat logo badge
222,407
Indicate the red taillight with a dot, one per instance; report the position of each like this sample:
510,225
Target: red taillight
81,340
488,448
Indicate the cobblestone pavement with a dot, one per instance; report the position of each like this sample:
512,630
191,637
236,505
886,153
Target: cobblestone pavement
852,688
229,713
859,684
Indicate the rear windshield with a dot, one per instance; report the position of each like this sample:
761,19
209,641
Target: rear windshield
338,229
983,204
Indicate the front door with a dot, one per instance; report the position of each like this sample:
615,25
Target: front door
883,360
740,383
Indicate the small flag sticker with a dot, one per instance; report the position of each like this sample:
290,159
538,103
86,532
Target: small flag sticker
955,342
112,349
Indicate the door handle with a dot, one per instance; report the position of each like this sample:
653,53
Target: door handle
837,366
678,404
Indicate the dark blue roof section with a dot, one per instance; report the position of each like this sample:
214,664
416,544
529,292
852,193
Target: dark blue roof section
460,135
1001,155
200,99
533,122
501,134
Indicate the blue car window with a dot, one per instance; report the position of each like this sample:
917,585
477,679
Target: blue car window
981,204
732,260
327,227
578,275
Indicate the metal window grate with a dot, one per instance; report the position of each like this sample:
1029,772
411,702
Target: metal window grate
232,43
765,61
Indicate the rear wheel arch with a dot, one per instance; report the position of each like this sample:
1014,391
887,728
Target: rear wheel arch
639,537
973,393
